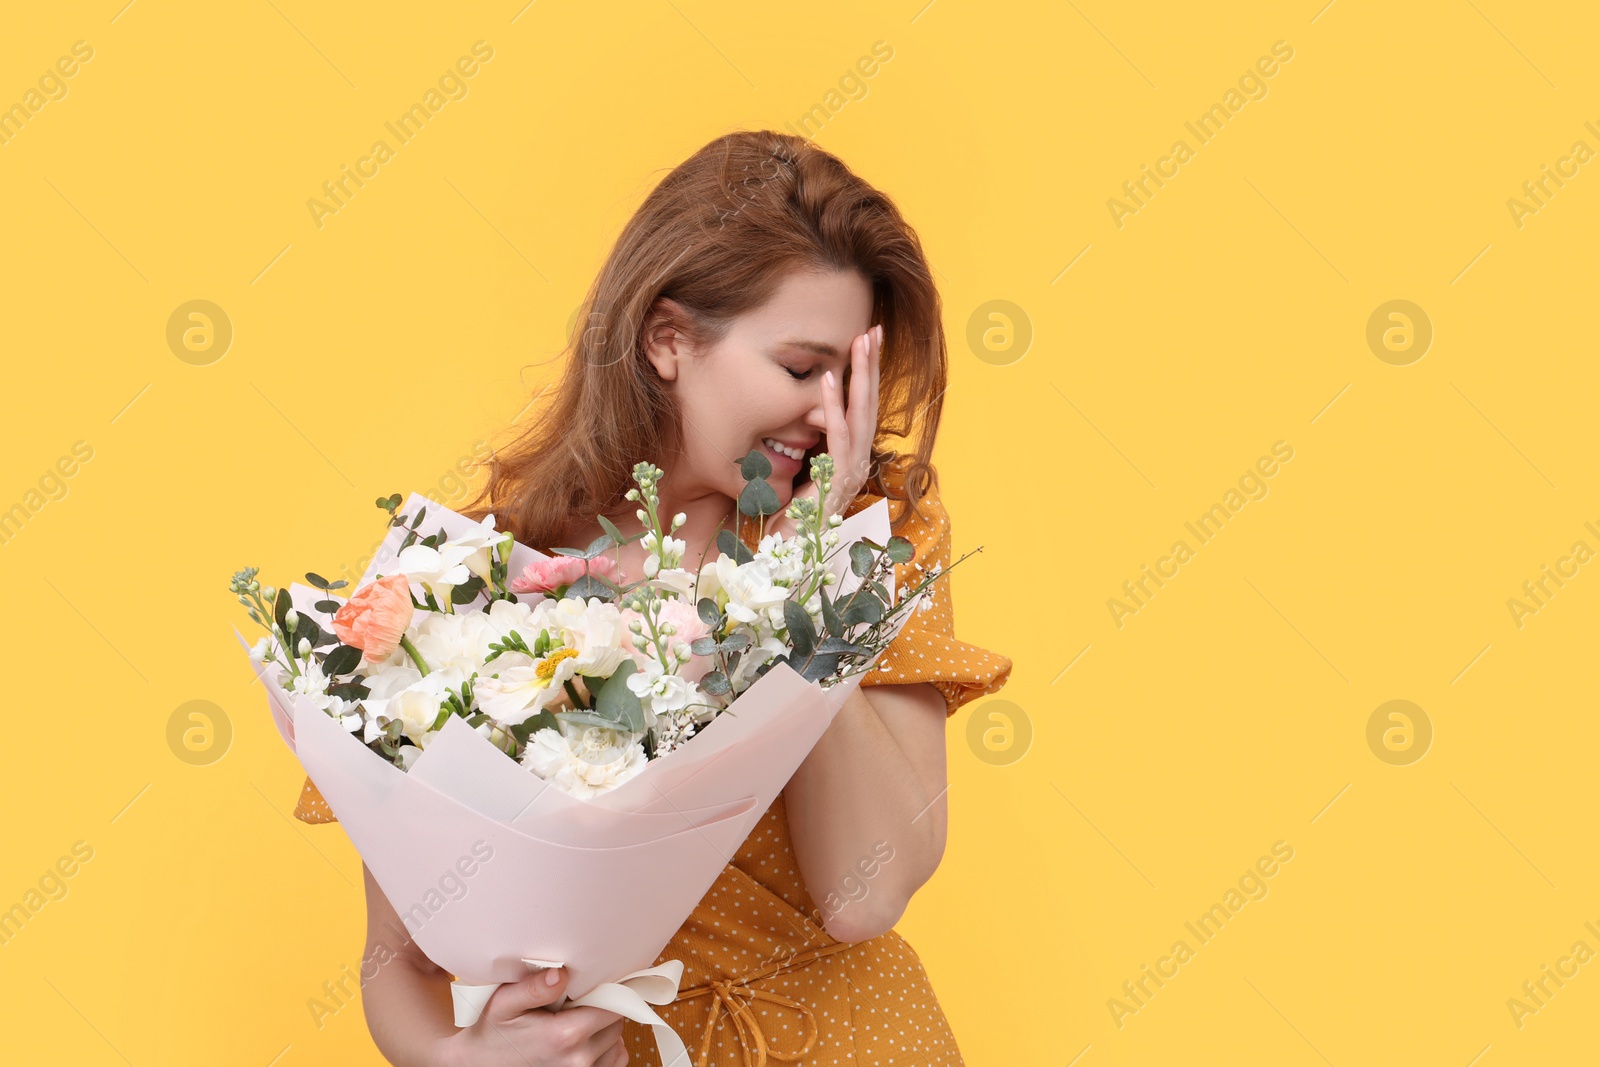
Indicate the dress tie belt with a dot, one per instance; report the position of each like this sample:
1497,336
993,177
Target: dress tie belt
734,996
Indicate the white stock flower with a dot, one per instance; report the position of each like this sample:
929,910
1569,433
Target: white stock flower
591,761
664,693
768,648
312,684
785,558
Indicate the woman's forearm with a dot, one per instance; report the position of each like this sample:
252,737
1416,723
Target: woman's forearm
405,995
876,778
409,1013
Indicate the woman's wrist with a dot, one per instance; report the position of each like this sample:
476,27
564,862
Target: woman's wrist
447,1051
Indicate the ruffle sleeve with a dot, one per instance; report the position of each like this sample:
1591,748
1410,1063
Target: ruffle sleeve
312,808
927,649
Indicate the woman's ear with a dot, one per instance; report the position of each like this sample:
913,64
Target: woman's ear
664,344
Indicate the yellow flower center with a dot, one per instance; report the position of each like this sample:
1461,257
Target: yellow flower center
545,669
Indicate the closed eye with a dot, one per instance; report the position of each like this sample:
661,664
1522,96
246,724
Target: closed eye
797,376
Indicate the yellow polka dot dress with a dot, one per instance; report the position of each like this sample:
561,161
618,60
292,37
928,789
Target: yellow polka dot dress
760,971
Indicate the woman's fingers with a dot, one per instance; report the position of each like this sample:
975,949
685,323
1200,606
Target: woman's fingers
615,1056
534,991
862,357
602,1047
877,377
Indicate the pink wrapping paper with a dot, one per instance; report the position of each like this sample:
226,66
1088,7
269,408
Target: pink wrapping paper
599,885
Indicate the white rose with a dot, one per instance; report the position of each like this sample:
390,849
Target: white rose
417,706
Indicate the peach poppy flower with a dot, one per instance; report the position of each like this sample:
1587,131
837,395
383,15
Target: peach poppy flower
375,617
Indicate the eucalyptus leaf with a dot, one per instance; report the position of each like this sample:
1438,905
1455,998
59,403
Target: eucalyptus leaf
328,606
802,633
900,550
758,499
280,609
715,683
863,609
755,467
706,608
860,560
589,585
342,660
617,702
830,614
704,646
317,580
819,667
532,725
589,718
729,545
467,591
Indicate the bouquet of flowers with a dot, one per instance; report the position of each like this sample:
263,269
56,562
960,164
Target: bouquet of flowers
595,678
603,748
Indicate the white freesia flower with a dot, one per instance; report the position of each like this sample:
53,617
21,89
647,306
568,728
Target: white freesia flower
752,596
437,570
676,581
481,541
591,761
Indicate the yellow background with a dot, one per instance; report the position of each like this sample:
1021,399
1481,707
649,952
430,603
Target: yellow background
374,352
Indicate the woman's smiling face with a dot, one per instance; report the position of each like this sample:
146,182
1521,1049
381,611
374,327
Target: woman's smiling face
762,383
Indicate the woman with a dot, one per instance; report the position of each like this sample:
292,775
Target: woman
762,297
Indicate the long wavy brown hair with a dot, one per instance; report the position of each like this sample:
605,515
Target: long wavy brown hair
716,237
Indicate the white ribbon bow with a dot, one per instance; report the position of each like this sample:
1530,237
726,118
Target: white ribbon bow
629,996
